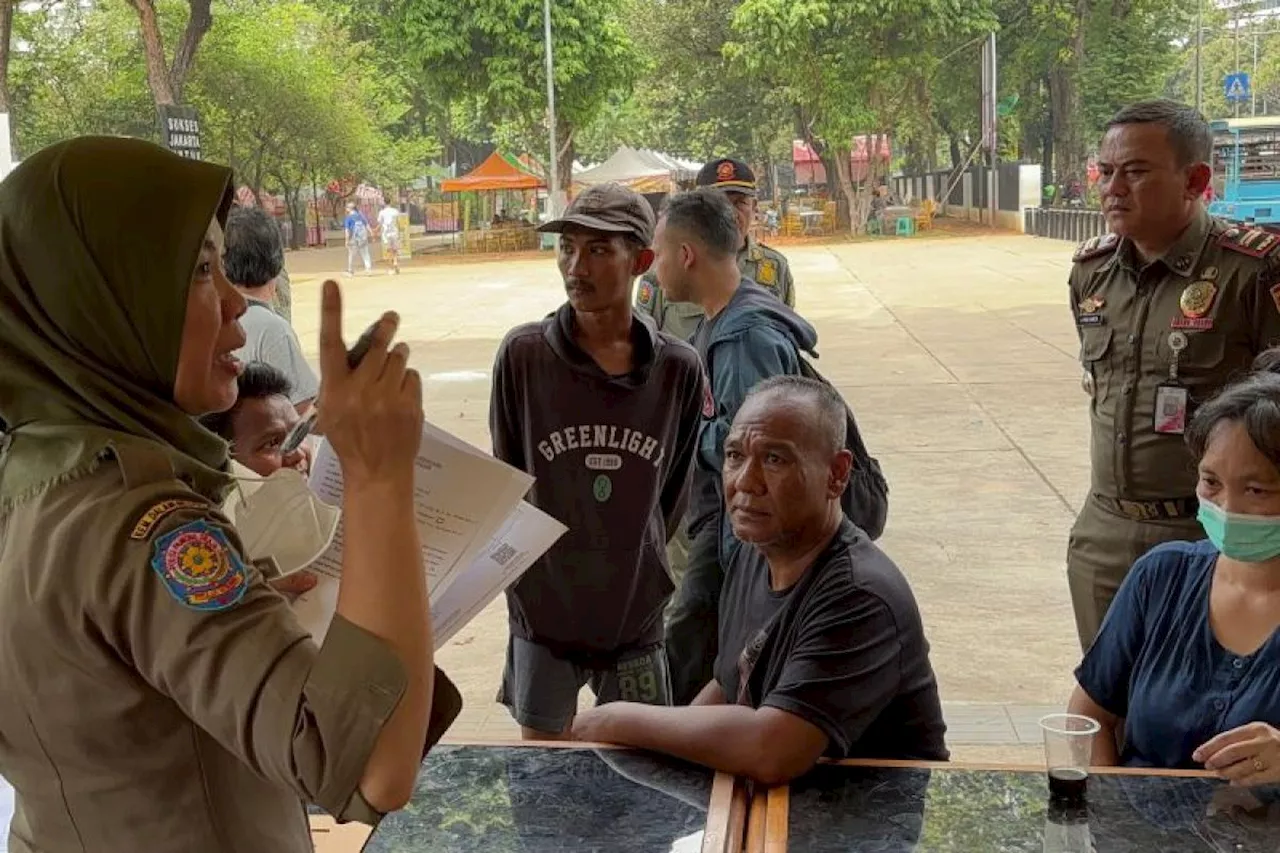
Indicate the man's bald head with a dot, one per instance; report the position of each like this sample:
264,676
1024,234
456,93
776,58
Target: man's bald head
785,463
829,419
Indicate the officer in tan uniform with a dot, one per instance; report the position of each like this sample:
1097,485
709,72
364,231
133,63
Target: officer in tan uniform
765,266
1170,306
155,693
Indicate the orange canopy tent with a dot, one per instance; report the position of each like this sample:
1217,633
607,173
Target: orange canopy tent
495,173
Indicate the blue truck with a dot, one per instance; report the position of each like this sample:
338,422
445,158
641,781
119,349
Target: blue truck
1246,171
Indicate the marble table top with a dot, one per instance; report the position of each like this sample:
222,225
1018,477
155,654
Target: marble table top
497,799
841,809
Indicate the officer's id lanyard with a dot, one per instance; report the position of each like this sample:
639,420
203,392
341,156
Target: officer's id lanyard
1171,395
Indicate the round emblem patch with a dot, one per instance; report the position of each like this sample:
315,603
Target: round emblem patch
1197,299
602,488
199,567
724,172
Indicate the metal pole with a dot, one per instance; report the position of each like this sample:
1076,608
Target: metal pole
1236,21
553,171
1253,78
995,133
1199,45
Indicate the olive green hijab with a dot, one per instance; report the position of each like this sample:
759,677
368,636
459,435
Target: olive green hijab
99,238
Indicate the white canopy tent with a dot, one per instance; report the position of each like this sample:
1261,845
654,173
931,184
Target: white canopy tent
643,170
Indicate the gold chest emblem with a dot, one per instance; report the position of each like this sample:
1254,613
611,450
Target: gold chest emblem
1198,298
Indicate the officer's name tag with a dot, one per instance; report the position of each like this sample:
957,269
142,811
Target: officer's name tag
1171,409
1088,319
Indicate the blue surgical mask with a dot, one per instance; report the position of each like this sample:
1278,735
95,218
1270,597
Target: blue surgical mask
1247,538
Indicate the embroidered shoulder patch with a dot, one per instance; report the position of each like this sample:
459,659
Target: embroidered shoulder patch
152,517
1254,242
768,273
200,568
644,298
1095,246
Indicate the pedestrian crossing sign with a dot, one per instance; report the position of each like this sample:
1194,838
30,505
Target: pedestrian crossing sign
1236,86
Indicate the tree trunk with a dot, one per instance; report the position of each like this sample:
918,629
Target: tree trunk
167,82
198,23
6,33
1064,97
853,218
564,157
291,208
153,44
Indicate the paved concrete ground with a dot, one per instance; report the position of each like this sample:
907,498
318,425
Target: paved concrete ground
958,356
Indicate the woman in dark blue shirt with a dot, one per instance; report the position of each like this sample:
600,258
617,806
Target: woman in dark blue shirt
1187,664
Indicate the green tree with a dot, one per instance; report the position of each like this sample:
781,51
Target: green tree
168,78
489,55
83,71
301,108
851,67
690,99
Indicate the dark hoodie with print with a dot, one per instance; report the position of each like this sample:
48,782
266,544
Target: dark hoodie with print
612,456
754,337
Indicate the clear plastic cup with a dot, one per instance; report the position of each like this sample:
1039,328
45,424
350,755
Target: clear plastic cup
1068,749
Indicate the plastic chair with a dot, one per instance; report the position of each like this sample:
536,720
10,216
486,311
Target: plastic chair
906,226
875,226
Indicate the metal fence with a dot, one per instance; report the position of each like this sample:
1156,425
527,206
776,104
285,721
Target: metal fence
1064,223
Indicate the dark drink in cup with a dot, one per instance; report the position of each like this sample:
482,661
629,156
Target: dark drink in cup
1068,785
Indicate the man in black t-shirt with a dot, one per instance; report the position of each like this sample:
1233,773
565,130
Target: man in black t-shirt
822,651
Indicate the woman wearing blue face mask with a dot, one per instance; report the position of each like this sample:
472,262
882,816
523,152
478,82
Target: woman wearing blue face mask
1185,672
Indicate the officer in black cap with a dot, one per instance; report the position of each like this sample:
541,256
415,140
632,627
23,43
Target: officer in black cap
763,265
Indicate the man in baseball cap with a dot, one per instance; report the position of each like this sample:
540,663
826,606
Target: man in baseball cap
603,410
611,209
764,265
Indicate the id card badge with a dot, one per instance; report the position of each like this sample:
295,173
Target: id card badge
1171,409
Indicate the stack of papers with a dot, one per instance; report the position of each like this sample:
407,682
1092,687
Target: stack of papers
6,813
478,534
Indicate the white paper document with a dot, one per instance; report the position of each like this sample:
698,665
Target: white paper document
478,535
6,813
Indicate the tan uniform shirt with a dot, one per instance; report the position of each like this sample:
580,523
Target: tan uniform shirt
765,266
155,693
1214,293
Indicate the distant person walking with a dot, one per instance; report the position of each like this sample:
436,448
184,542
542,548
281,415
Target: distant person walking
357,228
389,231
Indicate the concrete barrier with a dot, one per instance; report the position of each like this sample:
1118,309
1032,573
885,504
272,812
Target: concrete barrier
1064,223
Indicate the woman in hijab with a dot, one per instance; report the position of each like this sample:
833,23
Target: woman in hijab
155,693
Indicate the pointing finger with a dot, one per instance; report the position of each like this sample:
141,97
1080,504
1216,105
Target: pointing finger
333,352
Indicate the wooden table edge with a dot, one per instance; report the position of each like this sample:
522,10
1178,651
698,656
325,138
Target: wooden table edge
757,813
1012,768
726,815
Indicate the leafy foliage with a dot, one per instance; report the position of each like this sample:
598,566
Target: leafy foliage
375,88
488,55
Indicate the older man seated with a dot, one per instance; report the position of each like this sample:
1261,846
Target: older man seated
822,651
1185,672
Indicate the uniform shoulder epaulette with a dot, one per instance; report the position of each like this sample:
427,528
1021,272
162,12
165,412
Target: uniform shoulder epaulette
765,247
1254,242
1095,247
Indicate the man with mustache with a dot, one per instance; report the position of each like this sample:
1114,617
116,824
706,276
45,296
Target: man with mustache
603,410
822,650
1169,307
